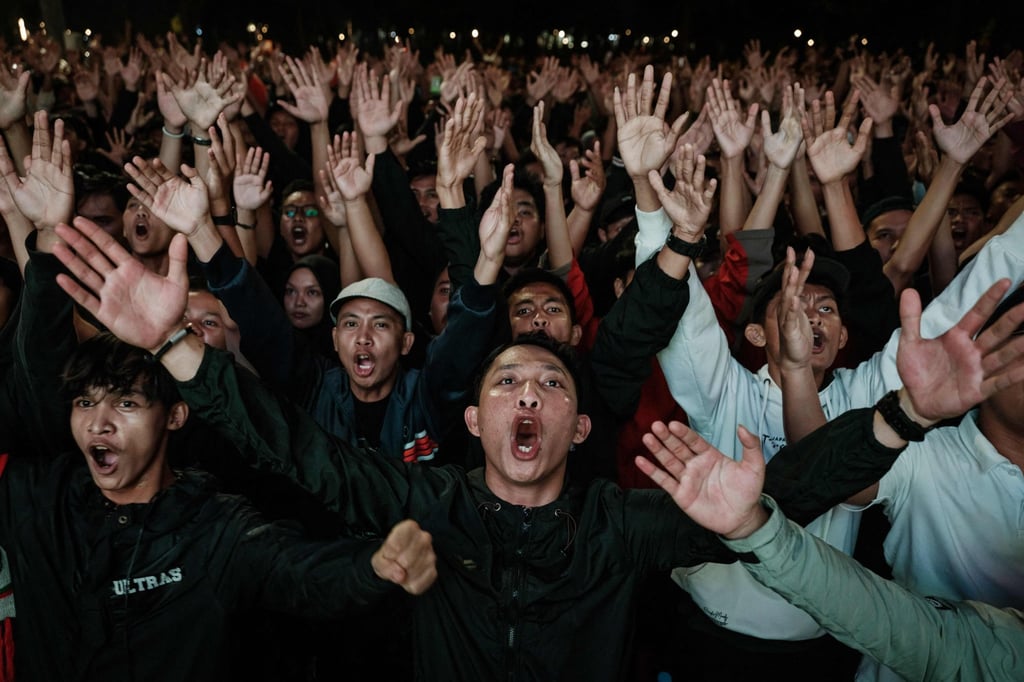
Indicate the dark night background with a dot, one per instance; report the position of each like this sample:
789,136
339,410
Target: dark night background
717,28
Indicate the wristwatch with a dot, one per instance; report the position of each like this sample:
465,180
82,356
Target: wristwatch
230,219
905,427
691,250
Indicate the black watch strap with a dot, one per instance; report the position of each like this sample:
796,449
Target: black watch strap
691,250
905,427
230,219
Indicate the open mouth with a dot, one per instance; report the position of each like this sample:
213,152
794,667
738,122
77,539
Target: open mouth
141,230
817,342
104,459
364,365
299,234
513,236
526,438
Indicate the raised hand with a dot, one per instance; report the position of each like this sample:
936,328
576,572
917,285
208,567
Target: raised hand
795,335
950,374
200,100
139,306
120,146
407,558
495,225
251,187
377,115
311,103
782,146
550,161
828,150
540,83
880,103
689,203
715,491
46,196
981,120
645,140
182,203
352,178
732,129
460,146
588,187
700,134
12,100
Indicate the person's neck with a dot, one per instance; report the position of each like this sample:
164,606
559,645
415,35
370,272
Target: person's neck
374,394
146,489
1006,438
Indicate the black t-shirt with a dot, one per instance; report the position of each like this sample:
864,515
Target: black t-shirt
370,421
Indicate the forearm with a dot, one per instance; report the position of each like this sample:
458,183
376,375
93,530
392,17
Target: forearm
803,205
579,222
170,147
801,406
367,243
923,224
19,144
762,215
734,202
560,251
844,222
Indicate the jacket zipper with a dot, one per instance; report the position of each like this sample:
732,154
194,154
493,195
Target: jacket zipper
516,582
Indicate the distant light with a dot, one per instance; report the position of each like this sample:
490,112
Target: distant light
475,33
613,37
797,33
251,28
560,33
863,41
451,35
584,44
629,31
341,37
675,33
199,31
645,40
392,35
565,41
810,42
666,40
22,31
88,32
411,31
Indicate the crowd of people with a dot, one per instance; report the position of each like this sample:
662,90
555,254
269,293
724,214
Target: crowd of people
491,365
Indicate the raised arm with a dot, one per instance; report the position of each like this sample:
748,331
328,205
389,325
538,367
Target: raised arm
984,115
354,180
645,141
733,132
833,158
556,233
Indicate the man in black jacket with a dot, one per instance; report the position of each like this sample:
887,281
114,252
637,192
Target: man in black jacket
537,575
124,568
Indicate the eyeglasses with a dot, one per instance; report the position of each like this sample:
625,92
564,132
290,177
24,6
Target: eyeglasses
310,211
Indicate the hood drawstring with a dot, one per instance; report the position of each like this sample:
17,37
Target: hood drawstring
570,529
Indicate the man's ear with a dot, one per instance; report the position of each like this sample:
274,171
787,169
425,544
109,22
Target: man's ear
407,340
619,285
177,416
582,429
844,336
470,416
575,335
334,337
755,334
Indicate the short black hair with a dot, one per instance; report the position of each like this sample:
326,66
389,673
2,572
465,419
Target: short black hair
520,180
108,363
563,351
90,179
532,275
